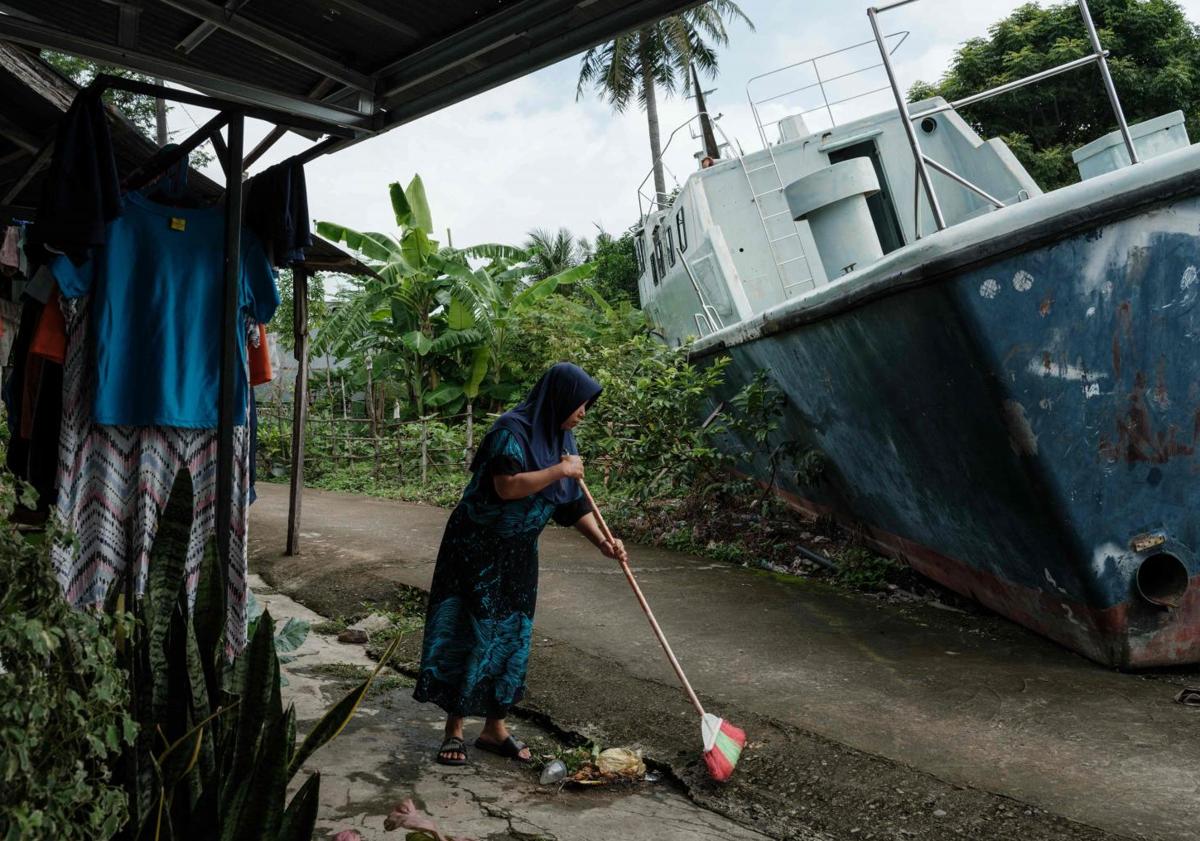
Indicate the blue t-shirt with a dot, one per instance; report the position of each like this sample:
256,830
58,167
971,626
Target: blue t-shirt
157,311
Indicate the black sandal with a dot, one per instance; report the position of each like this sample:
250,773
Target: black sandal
453,744
510,748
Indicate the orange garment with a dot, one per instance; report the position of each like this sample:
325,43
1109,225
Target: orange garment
50,338
260,359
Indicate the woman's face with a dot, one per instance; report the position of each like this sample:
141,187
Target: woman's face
575,417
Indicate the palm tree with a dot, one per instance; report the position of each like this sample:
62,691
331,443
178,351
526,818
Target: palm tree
551,253
659,54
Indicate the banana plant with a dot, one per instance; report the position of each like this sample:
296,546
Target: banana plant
491,300
401,315
216,748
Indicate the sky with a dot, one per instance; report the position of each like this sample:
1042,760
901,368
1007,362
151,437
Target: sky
528,155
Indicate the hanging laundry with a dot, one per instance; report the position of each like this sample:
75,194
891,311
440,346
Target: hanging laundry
258,350
114,482
10,320
158,303
81,192
277,210
50,338
10,252
33,398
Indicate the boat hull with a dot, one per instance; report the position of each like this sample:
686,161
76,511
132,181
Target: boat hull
1023,429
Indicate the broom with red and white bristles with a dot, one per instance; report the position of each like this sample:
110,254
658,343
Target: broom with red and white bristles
723,742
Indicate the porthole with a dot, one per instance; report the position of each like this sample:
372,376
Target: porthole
929,125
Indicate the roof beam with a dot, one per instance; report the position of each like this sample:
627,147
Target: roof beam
200,34
41,161
475,40
363,10
275,42
284,109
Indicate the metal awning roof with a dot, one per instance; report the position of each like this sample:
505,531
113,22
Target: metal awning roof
362,65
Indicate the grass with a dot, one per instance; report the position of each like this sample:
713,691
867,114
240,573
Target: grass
331,627
862,569
352,674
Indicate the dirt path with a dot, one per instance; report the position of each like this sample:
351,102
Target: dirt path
868,720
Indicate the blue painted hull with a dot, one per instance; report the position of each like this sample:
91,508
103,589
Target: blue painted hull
1023,429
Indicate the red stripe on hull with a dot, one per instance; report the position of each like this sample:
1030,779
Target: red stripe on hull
1131,634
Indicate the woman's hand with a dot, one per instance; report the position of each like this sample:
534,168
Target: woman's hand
571,467
614,549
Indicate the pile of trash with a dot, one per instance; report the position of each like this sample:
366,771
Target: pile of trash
596,767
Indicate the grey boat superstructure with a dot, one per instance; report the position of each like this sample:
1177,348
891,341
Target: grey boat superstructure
816,205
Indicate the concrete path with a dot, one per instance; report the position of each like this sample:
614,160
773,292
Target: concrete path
385,755
973,702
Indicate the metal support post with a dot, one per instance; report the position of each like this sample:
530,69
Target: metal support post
231,335
1106,76
902,106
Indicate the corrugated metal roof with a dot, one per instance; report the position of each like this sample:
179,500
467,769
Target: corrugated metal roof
391,62
33,96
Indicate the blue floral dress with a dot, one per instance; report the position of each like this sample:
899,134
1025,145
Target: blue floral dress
480,617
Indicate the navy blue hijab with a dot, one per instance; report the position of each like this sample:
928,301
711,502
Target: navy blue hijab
537,423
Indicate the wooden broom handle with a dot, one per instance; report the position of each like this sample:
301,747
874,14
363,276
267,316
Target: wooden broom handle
637,591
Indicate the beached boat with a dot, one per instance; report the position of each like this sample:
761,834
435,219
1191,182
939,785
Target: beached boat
1003,384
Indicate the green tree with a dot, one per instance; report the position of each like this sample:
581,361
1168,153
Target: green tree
616,277
1155,62
398,319
431,316
632,67
551,252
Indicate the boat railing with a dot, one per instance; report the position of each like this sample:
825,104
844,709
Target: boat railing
648,203
811,68
1097,56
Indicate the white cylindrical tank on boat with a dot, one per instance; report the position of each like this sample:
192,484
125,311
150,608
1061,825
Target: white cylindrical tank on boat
834,202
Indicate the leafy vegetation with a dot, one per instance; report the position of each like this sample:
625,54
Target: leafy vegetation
63,699
432,329
1155,53
216,749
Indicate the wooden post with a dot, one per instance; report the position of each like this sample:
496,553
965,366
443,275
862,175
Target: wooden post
424,450
470,452
299,404
347,450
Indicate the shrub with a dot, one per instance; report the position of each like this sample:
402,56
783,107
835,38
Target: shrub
62,699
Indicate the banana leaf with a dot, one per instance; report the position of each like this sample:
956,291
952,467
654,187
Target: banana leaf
420,218
400,206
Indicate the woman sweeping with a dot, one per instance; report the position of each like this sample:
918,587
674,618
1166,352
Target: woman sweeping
480,618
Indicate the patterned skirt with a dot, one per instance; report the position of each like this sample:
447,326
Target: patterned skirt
480,619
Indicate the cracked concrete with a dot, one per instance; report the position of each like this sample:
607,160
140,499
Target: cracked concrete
386,755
